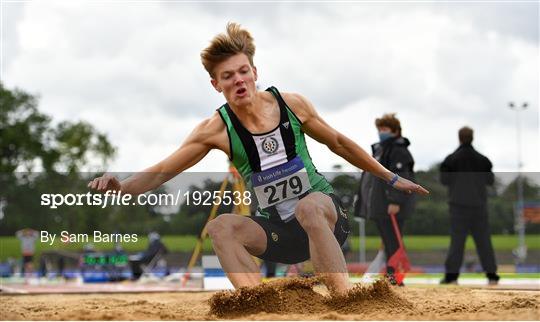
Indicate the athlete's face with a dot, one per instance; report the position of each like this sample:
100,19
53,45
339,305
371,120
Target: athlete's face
235,78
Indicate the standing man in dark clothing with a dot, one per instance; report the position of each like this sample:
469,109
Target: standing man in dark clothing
376,198
467,173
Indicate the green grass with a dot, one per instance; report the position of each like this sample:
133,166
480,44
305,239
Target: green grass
426,243
10,246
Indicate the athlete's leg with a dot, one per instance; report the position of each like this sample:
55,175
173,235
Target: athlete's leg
316,213
235,239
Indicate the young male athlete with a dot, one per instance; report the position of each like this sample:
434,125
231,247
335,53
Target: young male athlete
262,132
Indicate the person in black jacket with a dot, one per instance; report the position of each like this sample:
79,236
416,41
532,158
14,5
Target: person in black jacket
376,199
467,173
155,248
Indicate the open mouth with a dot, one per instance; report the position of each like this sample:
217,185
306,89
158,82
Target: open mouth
241,91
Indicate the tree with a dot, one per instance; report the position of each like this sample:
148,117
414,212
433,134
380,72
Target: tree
23,132
30,142
37,157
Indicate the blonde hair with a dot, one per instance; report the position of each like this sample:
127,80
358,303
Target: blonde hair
236,40
391,121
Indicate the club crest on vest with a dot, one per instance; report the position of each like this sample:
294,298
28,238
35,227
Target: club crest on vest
270,145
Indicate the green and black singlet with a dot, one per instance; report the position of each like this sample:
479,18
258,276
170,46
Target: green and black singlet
276,165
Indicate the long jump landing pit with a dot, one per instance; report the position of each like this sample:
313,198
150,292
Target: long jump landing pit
287,299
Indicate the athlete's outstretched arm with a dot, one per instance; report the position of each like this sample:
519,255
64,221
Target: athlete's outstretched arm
193,149
318,129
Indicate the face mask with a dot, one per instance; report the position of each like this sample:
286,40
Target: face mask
383,136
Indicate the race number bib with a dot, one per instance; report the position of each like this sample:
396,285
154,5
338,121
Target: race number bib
280,183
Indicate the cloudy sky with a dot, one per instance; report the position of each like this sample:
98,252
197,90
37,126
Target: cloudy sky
132,69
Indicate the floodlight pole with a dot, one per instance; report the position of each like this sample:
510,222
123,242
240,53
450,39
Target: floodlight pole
521,251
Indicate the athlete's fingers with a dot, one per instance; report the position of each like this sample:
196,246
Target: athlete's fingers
94,184
410,187
101,184
421,190
106,183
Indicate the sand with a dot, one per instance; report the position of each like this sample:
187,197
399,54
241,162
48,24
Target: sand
301,299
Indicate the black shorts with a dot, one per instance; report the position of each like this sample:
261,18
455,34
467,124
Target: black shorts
28,259
288,243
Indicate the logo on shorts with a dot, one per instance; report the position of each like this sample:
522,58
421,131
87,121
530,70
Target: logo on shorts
286,125
270,145
342,213
274,237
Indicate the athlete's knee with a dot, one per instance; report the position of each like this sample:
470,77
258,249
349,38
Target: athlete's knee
311,216
221,228
227,228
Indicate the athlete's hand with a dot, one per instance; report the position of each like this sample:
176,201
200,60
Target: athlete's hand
409,187
105,183
393,209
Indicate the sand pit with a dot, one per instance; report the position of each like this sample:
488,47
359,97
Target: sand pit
299,296
283,300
